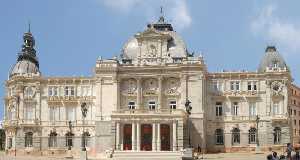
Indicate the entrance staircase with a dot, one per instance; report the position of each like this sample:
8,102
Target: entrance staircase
147,155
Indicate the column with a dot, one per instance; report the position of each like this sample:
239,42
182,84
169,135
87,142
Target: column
174,136
159,106
138,137
158,137
118,136
133,136
153,137
139,93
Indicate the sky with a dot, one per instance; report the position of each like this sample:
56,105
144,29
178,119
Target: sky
71,34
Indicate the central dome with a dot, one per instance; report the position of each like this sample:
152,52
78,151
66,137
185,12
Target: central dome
176,47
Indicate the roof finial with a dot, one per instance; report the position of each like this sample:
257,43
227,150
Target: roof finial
161,18
28,26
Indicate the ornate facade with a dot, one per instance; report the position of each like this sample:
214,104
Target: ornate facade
137,102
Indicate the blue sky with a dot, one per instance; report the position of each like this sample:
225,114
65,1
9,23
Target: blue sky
71,34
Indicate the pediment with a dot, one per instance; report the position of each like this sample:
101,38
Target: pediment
152,33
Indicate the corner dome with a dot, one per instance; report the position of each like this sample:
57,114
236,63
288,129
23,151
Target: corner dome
27,61
271,60
24,67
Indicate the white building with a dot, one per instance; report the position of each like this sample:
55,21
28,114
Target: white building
137,102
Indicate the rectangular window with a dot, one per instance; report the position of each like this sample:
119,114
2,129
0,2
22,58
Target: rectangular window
54,114
295,122
252,86
294,112
52,91
249,86
70,113
235,109
131,105
85,91
69,90
234,85
172,104
252,109
217,86
151,105
29,111
219,109
275,108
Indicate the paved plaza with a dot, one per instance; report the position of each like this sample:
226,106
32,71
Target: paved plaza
219,156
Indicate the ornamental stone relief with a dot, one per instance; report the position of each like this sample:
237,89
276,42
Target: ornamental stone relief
150,86
276,88
172,85
129,87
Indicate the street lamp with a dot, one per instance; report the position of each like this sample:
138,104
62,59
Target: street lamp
70,133
188,109
84,112
257,140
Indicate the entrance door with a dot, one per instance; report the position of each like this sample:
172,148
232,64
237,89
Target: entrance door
165,137
146,137
127,142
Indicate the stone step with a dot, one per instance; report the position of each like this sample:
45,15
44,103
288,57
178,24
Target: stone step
145,155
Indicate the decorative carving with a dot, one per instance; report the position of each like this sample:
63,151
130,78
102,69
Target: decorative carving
129,87
276,87
30,91
172,86
150,86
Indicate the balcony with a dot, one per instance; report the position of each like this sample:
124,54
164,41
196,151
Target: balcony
10,123
237,118
151,113
66,123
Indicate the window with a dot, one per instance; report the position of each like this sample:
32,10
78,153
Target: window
54,114
28,91
295,122
219,137
29,111
85,91
235,136
235,109
52,139
53,91
219,109
277,135
9,145
252,109
299,123
217,86
28,139
252,86
85,141
69,139
69,91
294,112
234,85
131,105
11,113
275,108
172,104
151,105
252,136
70,113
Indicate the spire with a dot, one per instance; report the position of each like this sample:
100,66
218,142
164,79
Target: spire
28,52
29,27
162,25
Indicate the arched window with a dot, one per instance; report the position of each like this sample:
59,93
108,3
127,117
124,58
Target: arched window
53,139
69,139
235,136
252,135
277,135
219,137
85,139
28,139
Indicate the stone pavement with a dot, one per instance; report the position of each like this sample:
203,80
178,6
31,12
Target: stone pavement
219,156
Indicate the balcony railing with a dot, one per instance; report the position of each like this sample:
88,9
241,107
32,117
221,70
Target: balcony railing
148,111
66,123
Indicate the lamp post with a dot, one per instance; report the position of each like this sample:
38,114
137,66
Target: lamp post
70,131
188,109
257,139
84,112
